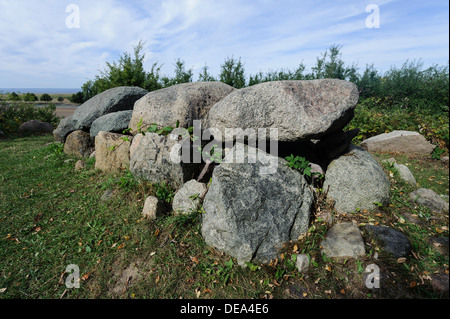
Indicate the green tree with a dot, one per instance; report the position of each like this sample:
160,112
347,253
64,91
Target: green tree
14,97
181,75
60,99
30,97
369,84
233,73
330,65
204,75
46,98
77,98
282,75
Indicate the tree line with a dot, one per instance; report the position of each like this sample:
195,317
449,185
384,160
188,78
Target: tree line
409,86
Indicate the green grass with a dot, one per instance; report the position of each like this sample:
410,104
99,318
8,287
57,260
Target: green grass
51,216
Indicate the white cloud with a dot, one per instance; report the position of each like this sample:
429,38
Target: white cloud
37,49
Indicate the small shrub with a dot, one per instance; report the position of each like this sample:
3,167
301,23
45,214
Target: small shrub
46,97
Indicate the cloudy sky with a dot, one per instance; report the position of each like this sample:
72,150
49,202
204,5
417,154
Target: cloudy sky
42,46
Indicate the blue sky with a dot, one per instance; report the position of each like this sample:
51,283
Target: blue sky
38,49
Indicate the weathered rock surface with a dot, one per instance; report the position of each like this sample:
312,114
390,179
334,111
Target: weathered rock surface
250,214
356,180
392,240
64,128
79,143
343,240
431,200
183,102
405,174
115,122
188,197
398,142
152,157
112,152
153,208
113,100
302,263
298,109
35,127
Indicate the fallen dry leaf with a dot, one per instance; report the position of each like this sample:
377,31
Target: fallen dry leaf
401,260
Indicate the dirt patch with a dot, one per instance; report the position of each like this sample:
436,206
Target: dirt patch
65,111
130,275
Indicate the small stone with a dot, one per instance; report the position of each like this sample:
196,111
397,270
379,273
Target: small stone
79,165
302,263
153,208
429,199
107,195
394,241
405,174
343,240
187,199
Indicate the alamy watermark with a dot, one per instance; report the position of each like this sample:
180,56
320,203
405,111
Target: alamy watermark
373,19
73,280
73,19
373,276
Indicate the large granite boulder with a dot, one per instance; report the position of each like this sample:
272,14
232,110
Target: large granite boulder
79,143
298,109
250,214
115,122
183,102
355,180
113,100
64,128
157,158
398,142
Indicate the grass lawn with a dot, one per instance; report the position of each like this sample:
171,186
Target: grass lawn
52,216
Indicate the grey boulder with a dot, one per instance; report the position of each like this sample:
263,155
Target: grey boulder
64,128
355,180
115,122
183,102
250,214
398,142
35,127
298,109
121,98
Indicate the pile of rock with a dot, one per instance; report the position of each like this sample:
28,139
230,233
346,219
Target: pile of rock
255,202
